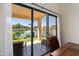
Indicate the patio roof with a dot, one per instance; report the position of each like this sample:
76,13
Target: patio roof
21,12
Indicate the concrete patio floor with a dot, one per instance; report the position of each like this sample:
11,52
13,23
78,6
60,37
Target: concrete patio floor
38,48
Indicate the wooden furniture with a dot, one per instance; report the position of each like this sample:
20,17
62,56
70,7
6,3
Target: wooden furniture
69,49
53,43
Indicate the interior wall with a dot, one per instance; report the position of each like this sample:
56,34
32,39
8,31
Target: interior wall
69,22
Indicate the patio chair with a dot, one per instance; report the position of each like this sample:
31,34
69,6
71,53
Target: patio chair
53,43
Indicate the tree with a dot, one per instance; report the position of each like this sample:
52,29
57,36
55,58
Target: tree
18,27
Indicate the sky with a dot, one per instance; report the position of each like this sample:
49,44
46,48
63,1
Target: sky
27,22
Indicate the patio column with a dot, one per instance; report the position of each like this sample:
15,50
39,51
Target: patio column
39,29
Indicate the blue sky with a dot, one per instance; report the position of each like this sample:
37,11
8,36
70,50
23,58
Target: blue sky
26,22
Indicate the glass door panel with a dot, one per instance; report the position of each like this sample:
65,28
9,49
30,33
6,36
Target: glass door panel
39,29
21,26
52,26
43,35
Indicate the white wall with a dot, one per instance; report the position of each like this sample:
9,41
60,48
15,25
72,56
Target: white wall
6,47
51,6
69,23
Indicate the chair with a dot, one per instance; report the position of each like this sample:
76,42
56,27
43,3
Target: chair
53,43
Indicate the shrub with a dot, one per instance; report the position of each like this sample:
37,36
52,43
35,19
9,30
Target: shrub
43,40
27,36
15,36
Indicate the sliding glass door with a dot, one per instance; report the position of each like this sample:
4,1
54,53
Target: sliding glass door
39,30
31,29
21,26
52,26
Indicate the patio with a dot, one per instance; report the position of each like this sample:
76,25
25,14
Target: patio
38,48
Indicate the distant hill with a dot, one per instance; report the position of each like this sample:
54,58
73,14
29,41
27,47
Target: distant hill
20,27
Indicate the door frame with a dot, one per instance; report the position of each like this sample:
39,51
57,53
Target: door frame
32,20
